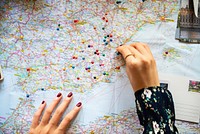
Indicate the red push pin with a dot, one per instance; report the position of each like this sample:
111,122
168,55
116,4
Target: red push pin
76,21
28,69
118,67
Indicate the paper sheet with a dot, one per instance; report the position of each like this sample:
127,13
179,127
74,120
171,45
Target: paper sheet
187,103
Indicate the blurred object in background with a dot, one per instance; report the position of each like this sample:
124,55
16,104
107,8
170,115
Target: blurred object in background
1,74
188,24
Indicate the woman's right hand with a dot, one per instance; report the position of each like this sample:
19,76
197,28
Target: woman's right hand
140,65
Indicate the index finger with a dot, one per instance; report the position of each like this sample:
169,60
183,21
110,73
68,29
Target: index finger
124,50
37,115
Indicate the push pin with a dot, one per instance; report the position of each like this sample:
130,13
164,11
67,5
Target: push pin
1,74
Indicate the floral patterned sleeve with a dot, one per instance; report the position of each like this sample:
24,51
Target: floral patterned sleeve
155,109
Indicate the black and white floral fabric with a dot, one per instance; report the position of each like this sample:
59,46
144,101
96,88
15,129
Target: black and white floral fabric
155,109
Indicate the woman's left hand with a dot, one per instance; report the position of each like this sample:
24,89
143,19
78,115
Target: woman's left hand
49,125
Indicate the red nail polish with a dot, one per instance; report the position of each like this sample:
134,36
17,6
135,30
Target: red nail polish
70,94
79,104
43,102
59,94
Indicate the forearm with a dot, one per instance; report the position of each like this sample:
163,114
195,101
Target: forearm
155,109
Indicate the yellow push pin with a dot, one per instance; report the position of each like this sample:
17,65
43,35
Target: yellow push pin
1,74
21,37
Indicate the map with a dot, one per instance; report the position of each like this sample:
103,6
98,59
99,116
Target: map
51,46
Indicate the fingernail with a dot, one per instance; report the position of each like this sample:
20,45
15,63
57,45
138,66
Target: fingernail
59,94
79,104
119,46
70,94
43,102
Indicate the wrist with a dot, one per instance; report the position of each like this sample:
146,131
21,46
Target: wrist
142,86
